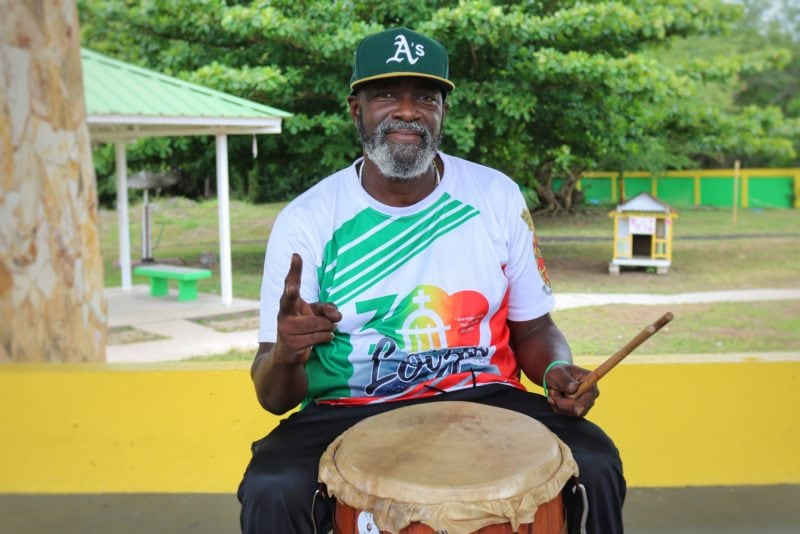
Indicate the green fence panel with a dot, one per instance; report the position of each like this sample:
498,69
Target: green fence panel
597,190
678,188
634,186
718,191
770,192
676,191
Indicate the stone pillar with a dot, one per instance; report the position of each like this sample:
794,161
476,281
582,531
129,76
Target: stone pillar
52,306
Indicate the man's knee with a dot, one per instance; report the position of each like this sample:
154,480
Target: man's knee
272,489
595,468
280,499
603,481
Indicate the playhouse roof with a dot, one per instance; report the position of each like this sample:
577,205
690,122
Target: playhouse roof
644,202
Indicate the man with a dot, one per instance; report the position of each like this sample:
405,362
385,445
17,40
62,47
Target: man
412,277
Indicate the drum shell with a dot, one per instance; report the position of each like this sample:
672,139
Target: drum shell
549,519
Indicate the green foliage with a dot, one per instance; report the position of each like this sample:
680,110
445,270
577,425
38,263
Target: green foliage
741,108
766,27
545,88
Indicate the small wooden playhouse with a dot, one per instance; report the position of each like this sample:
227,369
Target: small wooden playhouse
642,234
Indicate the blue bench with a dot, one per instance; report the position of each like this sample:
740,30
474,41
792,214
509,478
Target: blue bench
160,275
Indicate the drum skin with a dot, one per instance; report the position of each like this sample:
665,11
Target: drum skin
448,466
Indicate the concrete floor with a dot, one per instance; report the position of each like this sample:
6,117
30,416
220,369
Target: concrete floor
734,510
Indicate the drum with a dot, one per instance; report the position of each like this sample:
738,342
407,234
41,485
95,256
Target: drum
447,466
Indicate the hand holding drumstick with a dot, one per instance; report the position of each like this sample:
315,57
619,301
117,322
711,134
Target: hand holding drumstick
591,379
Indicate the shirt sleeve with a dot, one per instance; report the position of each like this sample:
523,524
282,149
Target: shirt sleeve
530,295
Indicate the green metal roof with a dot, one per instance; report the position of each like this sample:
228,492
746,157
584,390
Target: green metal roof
124,101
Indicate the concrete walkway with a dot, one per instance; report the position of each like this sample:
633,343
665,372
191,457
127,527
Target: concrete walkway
690,510
165,316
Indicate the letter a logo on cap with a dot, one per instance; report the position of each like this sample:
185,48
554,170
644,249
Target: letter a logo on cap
402,48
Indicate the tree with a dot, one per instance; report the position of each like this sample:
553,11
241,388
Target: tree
51,271
769,24
545,88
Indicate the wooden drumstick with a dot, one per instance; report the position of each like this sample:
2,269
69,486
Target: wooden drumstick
601,370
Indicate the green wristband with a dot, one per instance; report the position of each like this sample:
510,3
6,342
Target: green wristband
547,370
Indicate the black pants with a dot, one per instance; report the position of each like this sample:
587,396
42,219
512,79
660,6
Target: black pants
279,484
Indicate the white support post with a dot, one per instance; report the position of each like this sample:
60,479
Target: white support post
122,216
735,190
146,249
223,210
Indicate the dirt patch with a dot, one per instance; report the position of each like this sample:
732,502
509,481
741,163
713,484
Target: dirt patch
122,335
230,322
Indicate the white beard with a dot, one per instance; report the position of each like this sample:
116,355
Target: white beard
400,161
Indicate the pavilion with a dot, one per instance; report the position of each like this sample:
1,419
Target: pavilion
125,102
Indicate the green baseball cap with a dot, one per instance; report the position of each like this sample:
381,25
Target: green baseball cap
400,52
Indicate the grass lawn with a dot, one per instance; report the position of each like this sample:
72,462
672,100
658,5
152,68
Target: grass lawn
711,252
696,328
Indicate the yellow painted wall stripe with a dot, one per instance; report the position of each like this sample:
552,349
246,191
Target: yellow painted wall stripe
187,428
706,173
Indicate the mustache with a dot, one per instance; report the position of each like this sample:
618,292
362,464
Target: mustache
388,125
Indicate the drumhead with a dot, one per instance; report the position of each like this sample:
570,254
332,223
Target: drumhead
422,459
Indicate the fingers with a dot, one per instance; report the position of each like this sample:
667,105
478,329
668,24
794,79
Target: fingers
563,378
290,299
311,325
298,334
296,348
327,310
299,326
562,382
564,405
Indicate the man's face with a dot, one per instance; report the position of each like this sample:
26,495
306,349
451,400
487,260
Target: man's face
399,122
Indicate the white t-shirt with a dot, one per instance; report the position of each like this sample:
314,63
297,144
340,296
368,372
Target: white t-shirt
425,290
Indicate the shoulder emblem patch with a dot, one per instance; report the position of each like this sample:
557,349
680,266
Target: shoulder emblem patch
540,264
526,216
